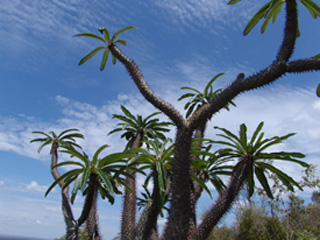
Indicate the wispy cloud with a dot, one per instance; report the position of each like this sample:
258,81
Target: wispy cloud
216,14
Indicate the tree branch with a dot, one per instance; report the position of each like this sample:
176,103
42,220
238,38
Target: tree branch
145,90
290,31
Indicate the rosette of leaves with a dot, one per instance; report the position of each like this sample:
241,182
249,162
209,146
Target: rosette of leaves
212,165
107,40
157,158
107,171
198,98
272,9
240,147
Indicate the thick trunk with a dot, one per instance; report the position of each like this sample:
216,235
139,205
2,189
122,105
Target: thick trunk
92,219
180,210
225,200
128,223
196,189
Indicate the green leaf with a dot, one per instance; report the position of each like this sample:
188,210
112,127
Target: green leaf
201,183
90,54
96,154
256,132
76,187
273,12
210,83
123,42
312,7
121,31
104,59
91,35
264,182
316,56
256,18
318,90
243,136
85,178
106,34
69,173
231,2
106,182
114,59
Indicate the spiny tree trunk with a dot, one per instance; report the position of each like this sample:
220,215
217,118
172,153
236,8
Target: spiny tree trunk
147,225
225,200
128,223
92,219
71,224
196,189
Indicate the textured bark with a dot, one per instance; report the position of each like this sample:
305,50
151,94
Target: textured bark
180,210
128,223
196,189
145,90
71,225
147,225
92,218
225,200
290,31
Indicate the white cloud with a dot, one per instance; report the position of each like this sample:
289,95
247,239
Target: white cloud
34,186
1,182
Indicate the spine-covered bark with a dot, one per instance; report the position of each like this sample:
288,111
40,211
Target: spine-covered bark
180,210
148,219
71,224
128,223
290,32
92,219
145,90
196,189
225,200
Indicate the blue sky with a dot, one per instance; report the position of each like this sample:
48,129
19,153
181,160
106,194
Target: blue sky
176,43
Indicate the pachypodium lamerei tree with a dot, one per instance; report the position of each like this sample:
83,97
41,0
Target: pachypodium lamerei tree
180,210
136,129
66,137
157,158
93,177
198,99
254,160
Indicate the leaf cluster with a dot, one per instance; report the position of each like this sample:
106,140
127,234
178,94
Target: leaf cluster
107,41
272,9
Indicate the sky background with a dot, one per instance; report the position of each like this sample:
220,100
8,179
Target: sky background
176,43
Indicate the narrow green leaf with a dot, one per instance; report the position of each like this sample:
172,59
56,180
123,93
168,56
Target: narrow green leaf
256,132
106,182
318,90
90,54
210,83
201,183
121,31
104,59
96,154
91,35
264,182
85,178
243,136
256,18
231,2
123,42
76,187
312,7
